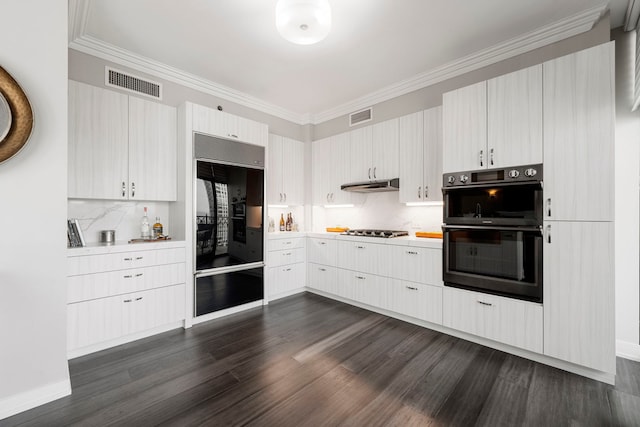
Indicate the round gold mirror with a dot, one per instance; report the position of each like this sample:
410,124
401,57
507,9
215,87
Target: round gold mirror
16,117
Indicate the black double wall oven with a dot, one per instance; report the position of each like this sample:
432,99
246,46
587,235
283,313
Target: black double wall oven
492,232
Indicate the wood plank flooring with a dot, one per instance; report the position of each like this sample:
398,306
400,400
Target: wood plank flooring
310,361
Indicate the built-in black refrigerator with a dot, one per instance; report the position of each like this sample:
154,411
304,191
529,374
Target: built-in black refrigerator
228,224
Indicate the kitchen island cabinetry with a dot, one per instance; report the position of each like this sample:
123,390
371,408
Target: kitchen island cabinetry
285,171
286,257
495,123
120,147
121,293
374,152
421,156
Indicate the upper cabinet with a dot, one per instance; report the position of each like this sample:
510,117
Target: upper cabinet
421,156
578,138
374,152
225,125
331,169
495,123
120,147
285,174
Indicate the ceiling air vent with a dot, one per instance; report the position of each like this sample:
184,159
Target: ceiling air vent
130,83
360,117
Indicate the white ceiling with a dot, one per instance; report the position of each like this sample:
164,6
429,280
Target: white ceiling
373,44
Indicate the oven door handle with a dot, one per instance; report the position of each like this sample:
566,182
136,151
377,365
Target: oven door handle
489,227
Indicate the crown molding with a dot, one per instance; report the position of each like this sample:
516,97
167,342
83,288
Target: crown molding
543,36
568,27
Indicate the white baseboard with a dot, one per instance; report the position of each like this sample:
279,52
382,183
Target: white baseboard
30,399
628,350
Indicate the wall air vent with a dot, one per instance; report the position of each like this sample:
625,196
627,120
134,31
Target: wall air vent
130,83
360,117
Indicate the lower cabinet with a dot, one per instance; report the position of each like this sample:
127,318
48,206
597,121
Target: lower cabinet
423,302
285,266
322,278
285,280
366,288
506,320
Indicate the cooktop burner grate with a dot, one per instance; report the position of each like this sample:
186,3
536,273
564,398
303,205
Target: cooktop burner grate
365,232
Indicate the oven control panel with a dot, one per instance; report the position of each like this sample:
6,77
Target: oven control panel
493,176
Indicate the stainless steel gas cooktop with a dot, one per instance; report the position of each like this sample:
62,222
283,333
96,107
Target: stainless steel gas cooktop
365,232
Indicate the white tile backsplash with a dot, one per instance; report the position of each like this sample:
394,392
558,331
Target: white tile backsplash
124,217
380,210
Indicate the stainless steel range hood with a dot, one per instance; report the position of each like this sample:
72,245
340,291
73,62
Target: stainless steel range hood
373,186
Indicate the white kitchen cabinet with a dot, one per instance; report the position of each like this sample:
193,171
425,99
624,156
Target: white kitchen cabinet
112,296
322,277
579,293
285,242
417,300
495,123
579,131
322,251
152,150
98,149
228,126
505,320
360,256
286,266
464,121
285,174
362,287
331,169
374,152
285,280
421,156
515,118
120,147
416,264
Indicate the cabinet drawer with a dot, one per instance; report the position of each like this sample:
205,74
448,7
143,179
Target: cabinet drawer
284,279
359,256
322,277
416,300
322,251
103,319
289,256
99,285
415,264
509,321
88,264
282,244
362,287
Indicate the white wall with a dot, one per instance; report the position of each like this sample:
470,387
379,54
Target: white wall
627,232
33,205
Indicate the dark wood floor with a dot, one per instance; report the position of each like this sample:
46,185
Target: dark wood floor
310,361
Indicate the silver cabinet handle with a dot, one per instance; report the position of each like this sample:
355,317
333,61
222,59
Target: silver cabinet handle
548,233
412,288
127,300
128,276
139,298
133,189
426,191
139,257
359,247
419,191
281,197
481,157
323,243
139,274
549,207
285,196
288,242
331,197
369,173
124,189
286,269
360,277
485,303
287,254
374,172
412,252
232,135
491,156
328,197
128,259
322,269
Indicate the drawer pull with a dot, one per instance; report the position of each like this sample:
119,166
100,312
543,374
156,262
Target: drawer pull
360,247
127,300
128,259
360,277
139,257
128,276
139,274
412,288
323,243
287,254
322,269
485,303
287,269
139,298
287,243
412,252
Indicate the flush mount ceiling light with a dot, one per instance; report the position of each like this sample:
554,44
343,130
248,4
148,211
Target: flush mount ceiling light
303,21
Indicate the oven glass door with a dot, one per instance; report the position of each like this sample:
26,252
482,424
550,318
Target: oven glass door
504,261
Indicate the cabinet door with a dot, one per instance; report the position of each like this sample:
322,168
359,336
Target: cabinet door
152,151
385,150
245,130
360,158
432,182
321,170
416,264
579,135
323,278
97,153
275,170
340,170
579,293
293,172
464,119
358,256
416,300
322,251
285,280
361,287
515,118
209,121
411,154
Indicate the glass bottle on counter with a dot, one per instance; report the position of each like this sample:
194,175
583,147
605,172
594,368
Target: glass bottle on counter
157,228
289,222
145,230
282,225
